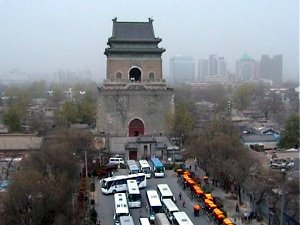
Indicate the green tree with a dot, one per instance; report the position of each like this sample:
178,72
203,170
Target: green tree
182,121
243,95
12,118
68,113
87,108
290,134
19,99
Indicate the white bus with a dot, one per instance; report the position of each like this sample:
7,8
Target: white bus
133,167
165,192
121,207
133,194
126,220
145,167
154,204
144,221
169,207
119,183
161,219
181,218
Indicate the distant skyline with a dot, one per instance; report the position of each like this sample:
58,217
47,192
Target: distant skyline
43,37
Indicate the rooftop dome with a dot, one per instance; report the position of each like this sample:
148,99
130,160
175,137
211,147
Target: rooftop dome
246,57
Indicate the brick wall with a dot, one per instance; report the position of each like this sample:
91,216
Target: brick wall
116,108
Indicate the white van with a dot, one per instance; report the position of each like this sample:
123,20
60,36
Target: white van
116,161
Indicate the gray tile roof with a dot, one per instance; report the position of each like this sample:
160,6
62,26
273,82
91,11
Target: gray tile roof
258,138
133,30
20,142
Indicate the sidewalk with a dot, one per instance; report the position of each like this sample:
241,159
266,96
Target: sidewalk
228,201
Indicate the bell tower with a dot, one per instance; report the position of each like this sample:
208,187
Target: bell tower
134,97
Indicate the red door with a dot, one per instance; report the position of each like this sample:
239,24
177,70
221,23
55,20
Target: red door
133,155
136,128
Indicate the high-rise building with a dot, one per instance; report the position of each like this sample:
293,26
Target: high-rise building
202,70
212,69
182,70
246,68
271,68
213,65
221,66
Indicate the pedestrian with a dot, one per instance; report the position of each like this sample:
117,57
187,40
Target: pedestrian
245,216
190,167
195,167
180,195
184,185
237,209
183,204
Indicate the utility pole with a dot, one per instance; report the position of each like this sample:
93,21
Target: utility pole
86,172
282,195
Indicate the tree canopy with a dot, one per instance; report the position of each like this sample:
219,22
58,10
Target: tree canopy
182,121
41,191
290,134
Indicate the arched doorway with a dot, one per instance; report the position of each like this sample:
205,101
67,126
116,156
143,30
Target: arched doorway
136,128
135,74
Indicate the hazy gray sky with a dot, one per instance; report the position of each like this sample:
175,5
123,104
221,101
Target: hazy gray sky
43,36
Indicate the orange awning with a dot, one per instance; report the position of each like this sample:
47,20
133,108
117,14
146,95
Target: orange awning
196,207
209,196
221,216
208,201
191,182
212,206
227,221
217,211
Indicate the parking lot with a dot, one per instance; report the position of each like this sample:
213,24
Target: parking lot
104,204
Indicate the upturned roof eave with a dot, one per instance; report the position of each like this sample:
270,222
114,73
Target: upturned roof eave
116,40
134,51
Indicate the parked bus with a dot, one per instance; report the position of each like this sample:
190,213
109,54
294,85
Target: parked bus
169,207
144,221
165,192
161,219
154,204
145,168
121,207
181,218
133,194
133,167
126,220
119,183
157,167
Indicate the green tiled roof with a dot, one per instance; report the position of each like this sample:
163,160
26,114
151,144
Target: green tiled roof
246,57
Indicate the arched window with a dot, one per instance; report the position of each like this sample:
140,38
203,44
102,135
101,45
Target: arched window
135,74
151,76
119,76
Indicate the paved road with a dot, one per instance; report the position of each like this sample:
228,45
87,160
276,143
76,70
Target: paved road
105,203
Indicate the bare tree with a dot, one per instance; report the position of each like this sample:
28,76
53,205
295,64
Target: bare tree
41,192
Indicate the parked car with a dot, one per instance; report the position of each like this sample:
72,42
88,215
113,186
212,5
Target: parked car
116,161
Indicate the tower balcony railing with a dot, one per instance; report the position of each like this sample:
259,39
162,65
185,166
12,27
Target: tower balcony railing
119,84
126,82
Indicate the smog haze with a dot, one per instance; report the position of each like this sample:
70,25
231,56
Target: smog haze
42,37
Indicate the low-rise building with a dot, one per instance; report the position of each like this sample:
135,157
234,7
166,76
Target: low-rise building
259,141
18,144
